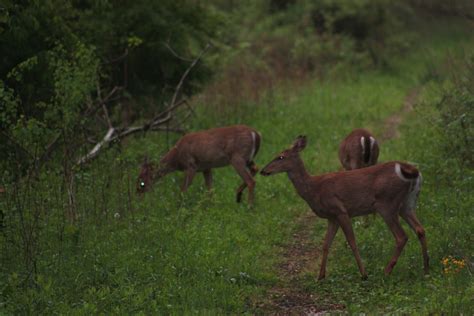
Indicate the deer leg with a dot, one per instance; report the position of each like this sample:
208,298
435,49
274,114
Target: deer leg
353,164
400,238
188,179
330,233
346,225
412,220
241,168
253,170
208,178
240,190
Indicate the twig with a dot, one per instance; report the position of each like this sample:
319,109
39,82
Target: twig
183,77
104,108
18,145
154,124
44,157
175,54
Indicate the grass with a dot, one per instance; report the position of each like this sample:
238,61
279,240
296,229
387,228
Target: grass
202,253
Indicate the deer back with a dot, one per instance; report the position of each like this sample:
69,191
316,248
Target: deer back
217,147
362,191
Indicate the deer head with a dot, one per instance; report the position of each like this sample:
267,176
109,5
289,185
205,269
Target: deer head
285,161
150,172
146,176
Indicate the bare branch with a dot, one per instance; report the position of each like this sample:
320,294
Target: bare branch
154,124
104,108
183,77
176,54
169,129
93,153
44,157
17,145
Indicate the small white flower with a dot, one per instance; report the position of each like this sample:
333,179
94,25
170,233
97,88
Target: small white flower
116,215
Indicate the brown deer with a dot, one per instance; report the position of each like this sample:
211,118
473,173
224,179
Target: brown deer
358,150
390,189
204,150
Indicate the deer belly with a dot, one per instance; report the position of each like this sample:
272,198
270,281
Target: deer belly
319,211
205,165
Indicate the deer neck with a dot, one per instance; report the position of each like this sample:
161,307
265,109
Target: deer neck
165,166
300,178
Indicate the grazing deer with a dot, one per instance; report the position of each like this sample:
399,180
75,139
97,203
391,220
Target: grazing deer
391,189
358,150
201,151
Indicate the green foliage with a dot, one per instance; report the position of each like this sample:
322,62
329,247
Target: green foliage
456,108
55,55
83,242
272,42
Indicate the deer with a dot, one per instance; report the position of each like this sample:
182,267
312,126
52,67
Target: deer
205,150
358,150
391,189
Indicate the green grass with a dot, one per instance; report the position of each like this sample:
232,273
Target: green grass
202,253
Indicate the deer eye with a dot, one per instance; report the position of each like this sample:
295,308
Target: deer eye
281,157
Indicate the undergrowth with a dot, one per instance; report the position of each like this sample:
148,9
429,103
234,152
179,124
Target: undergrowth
110,252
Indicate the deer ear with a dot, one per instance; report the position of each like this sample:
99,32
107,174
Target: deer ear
300,143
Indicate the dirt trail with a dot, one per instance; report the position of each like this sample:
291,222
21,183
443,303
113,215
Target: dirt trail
302,254
392,123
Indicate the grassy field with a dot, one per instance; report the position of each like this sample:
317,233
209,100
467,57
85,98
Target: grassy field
201,253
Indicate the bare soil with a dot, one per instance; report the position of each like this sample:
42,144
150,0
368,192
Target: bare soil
392,123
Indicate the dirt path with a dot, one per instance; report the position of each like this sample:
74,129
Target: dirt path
302,254
392,123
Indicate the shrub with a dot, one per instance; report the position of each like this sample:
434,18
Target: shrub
456,107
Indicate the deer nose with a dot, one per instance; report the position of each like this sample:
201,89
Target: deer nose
264,173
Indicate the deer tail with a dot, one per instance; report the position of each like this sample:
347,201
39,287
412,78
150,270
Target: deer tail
256,137
406,172
409,173
366,143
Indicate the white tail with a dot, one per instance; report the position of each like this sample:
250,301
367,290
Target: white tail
202,151
390,189
358,150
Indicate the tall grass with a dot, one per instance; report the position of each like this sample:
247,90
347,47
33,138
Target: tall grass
201,252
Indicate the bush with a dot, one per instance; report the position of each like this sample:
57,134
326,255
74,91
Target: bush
456,107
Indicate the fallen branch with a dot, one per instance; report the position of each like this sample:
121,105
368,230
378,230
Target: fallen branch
93,153
155,124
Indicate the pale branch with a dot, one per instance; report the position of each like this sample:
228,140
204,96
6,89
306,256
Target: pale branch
93,153
134,129
118,134
155,124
